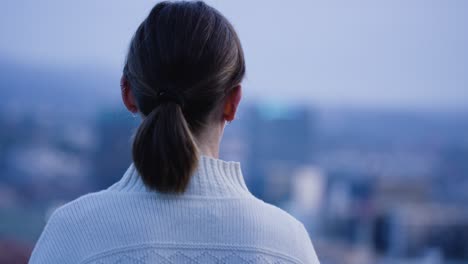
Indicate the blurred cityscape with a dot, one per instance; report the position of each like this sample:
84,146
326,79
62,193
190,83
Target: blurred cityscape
371,186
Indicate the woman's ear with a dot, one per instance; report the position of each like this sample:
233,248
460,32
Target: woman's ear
231,103
127,95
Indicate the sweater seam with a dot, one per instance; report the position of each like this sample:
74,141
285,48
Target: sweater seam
197,246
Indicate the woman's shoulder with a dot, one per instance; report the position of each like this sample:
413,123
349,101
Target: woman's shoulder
287,230
276,214
80,206
83,225
63,231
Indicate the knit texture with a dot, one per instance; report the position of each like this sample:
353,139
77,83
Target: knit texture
217,220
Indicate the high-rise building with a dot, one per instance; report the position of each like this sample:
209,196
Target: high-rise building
278,141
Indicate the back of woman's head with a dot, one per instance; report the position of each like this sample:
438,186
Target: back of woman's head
183,61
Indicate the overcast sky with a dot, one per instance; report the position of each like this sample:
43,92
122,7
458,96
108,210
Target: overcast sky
394,53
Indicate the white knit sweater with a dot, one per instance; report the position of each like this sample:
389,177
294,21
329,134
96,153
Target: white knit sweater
217,220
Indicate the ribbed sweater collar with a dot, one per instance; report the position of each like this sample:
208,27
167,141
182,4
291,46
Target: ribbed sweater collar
212,178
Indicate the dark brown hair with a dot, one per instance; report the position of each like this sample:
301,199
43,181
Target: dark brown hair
183,61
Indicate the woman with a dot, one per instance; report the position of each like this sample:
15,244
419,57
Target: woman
177,203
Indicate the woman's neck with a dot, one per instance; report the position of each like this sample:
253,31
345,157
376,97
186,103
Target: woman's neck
209,140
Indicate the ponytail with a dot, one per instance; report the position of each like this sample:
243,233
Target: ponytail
164,151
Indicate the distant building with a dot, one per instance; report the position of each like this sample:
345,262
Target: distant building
413,230
113,148
279,139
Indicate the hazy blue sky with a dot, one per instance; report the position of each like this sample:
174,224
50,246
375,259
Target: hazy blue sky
394,53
